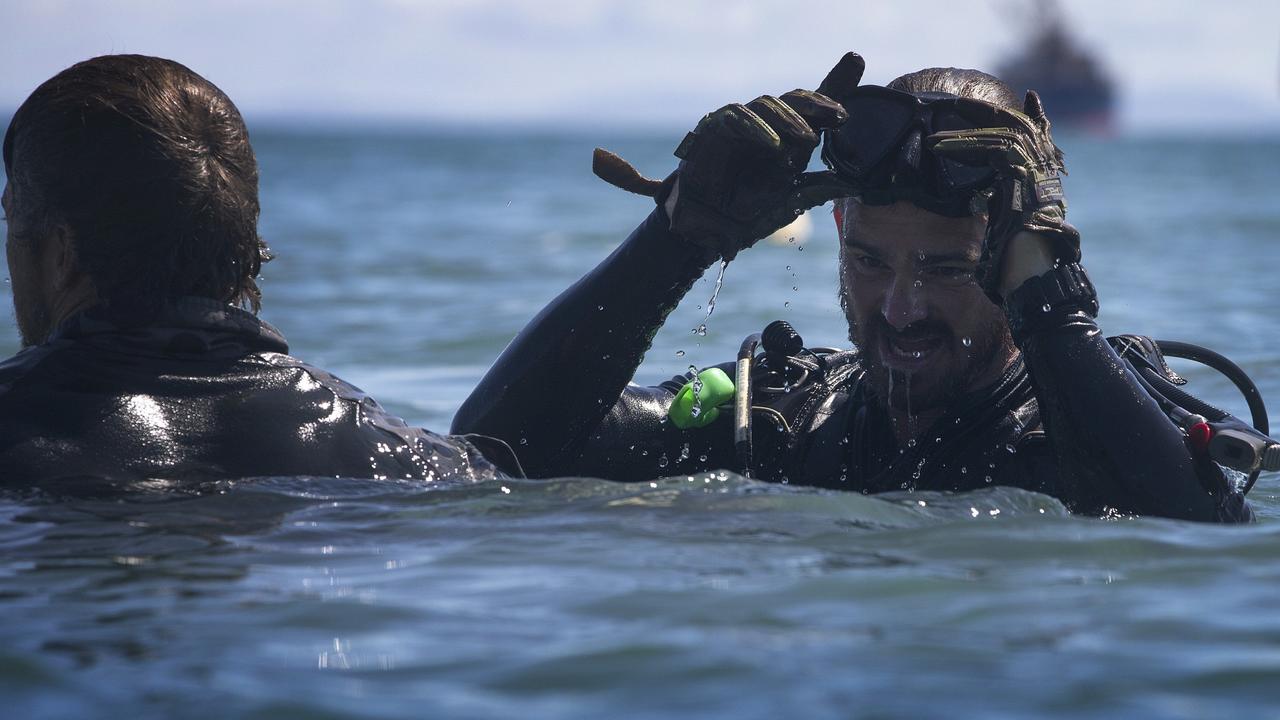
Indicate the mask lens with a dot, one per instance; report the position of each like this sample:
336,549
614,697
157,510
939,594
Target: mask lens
875,126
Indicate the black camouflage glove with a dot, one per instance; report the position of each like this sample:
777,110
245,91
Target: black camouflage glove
1028,191
742,170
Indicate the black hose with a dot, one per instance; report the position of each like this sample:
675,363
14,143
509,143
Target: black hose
1205,356
1219,362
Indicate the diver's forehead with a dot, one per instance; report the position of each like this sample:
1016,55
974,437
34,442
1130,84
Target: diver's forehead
903,227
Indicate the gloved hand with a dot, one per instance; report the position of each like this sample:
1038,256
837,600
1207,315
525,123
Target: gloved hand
1028,192
742,169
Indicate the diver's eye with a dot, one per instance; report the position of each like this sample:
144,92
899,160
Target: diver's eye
950,273
863,262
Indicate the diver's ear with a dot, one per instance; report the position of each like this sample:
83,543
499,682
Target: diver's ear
64,263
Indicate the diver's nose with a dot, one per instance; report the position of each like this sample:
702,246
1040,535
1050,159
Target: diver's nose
904,302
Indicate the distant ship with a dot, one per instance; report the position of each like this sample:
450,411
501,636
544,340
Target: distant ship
1076,89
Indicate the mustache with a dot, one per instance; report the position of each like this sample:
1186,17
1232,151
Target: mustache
922,330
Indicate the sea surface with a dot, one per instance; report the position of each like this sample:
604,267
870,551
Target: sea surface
408,259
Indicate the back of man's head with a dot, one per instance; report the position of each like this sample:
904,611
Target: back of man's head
961,82
149,168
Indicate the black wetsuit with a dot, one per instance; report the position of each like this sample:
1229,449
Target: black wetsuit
1067,419
203,391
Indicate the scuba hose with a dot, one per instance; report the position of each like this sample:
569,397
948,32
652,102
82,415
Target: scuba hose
1227,439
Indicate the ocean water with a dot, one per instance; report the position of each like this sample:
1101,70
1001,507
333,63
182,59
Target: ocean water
406,261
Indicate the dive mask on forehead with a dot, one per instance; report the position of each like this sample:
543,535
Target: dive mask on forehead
881,148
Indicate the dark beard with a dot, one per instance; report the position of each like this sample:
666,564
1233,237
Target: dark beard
893,388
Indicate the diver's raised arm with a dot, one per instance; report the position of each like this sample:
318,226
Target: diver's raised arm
741,176
564,371
1112,440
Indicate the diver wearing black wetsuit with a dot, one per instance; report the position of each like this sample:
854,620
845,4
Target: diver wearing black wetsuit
1063,416
132,209
202,391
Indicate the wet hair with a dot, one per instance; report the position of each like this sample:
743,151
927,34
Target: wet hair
961,82
150,168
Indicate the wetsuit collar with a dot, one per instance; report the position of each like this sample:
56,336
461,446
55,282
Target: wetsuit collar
197,317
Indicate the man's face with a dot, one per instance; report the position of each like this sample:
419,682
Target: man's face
926,329
30,299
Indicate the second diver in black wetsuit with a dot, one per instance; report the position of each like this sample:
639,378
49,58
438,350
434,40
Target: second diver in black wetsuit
132,242
978,360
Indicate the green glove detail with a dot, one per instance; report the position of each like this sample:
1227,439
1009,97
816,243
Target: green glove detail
1028,192
742,170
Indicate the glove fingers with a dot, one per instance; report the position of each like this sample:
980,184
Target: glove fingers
995,147
815,188
1034,109
844,77
819,111
741,126
792,130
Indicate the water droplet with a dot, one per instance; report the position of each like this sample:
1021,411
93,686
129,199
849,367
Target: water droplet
1046,307
599,307
788,267
786,304
800,248
1010,449
795,287
679,353
524,441
700,330
964,471
662,461
695,411
916,354
915,475
987,479
702,458
966,341
911,442
917,284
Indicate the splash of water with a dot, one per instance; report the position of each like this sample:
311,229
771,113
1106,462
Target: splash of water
711,304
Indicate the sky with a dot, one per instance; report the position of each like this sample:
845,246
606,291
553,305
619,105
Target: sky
1180,65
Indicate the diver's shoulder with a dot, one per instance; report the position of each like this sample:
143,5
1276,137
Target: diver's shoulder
25,362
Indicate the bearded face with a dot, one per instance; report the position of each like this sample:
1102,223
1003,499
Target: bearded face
927,331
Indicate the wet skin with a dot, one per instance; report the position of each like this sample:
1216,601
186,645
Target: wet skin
928,331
